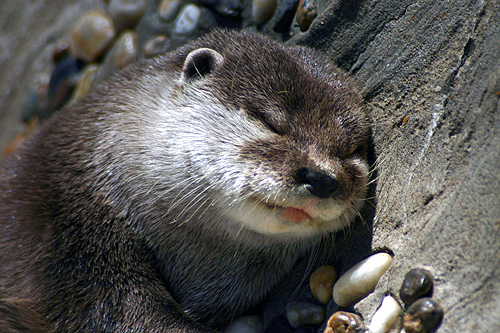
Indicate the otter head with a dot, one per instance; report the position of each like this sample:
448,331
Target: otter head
273,138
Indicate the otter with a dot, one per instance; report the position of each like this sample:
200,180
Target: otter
178,193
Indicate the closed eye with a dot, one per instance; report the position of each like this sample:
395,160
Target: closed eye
264,120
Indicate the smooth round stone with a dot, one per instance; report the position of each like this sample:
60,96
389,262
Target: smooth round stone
61,51
187,20
361,279
126,13
86,82
263,10
306,13
123,53
92,35
425,315
386,317
34,106
321,283
344,322
63,81
417,283
230,8
157,45
246,324
168,9
304,313
125,50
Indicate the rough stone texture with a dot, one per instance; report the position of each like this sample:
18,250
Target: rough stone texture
438,189
28,31
435,64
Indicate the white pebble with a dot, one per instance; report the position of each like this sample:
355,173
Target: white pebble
187,19
303,313
246,324
361,279
386,316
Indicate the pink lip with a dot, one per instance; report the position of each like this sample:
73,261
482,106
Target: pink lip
294,215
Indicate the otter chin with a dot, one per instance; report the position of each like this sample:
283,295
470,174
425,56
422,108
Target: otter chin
182,190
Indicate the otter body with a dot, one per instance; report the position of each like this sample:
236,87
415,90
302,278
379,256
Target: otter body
181,191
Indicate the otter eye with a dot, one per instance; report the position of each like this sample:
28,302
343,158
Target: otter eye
261,117
359,150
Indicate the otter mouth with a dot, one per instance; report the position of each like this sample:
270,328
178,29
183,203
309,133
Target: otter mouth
290,213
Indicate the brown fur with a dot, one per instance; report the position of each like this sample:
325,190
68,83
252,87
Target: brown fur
97,232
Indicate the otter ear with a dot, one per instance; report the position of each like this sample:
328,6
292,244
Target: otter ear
199,63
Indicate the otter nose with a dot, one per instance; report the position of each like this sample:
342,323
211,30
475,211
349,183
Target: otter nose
318,184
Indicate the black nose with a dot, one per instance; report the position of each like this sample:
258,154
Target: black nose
318,184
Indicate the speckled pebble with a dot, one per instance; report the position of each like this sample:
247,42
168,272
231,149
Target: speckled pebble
321,283
168,9
263,10
417,283
92,35
304,313
157,45
187,20
284,15
246,324
361,279
423,316
126,13
306,13
386,317
344,322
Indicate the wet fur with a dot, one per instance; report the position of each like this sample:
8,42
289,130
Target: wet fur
127,201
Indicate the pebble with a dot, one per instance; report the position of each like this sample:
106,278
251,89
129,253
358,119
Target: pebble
425,315
284,15
306,13
230,8
361,279
187,20
157,45
168,9
123,53
61,51
92,35
126,13
34,106
246,324
321,283
263,10
86,82
386,317
125,50
344,322
417,283
63,81
304,313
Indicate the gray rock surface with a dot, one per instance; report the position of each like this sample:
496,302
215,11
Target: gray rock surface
438,188
430,72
